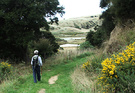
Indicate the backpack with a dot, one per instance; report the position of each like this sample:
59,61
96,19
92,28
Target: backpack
35,61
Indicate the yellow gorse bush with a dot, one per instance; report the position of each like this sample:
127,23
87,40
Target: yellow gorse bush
5,67
5,70
86,65
111,66
4,64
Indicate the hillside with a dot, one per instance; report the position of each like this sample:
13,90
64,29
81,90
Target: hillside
120,37
75,26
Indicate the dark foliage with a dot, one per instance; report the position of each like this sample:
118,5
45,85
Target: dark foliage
95,38
52,39
108,23
123,9
104,3
20,21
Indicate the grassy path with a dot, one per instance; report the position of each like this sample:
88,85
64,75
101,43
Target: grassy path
62,85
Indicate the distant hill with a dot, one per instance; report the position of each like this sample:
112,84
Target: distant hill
75,26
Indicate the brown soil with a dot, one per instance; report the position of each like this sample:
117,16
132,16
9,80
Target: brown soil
42,91
53,79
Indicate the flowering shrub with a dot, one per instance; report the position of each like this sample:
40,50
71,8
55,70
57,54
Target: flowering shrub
94,64
86,65
5,69
119,71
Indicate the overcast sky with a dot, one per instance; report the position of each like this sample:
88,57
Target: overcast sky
79,8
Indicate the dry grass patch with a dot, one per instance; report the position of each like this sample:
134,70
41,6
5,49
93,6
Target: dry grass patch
83,83
65,55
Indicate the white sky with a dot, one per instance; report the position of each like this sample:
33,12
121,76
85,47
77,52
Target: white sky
79,8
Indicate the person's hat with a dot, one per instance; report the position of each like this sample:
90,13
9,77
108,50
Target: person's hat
36,52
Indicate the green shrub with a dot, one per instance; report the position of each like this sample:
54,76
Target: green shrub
45,47
48,35
86,45
95,38
118,71
46,44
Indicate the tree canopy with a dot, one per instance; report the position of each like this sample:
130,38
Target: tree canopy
20,22
123,10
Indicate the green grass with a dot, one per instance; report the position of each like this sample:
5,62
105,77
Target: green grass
25,84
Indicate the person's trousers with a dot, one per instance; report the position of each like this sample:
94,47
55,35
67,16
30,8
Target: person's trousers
36,73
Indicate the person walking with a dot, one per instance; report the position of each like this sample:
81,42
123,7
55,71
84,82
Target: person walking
36,63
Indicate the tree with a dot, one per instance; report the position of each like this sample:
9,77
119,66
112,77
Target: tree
107,23
122,9
20,22
104,3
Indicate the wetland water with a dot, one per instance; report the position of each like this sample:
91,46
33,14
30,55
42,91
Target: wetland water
69,45
69,39
72,38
